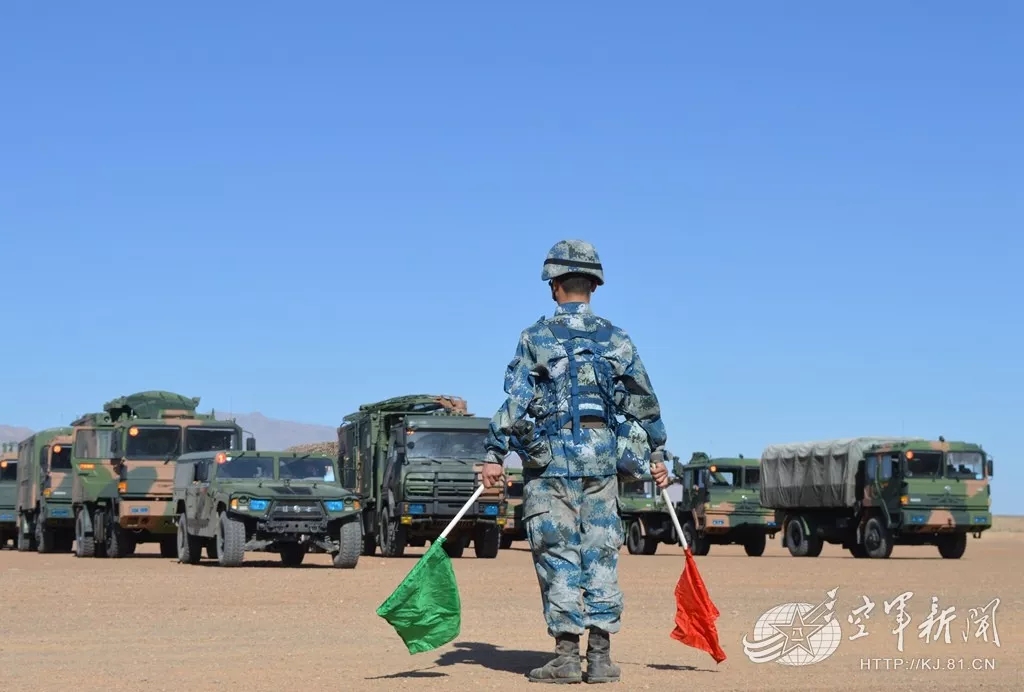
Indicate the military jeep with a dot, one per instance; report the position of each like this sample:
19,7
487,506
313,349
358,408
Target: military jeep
233,502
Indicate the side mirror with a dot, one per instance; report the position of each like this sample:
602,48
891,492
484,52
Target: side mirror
988,468
250,444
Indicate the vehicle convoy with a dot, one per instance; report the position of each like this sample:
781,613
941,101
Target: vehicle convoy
416,460
8,493
45,520
645,518
278,502
124,461
514,529
871,493
721,504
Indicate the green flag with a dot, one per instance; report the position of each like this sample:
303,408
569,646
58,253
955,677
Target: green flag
425,609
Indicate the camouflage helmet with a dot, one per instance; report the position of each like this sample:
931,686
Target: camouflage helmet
572,257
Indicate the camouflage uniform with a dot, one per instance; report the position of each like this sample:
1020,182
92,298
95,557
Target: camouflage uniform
572,456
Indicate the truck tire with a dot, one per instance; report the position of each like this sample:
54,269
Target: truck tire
392,536
634,541
858,551
117,540
877,539
45,538
487,541
952,547
369,544
454,548
506,541
799,542
754,545
350,541
697,545
230,541
188,545
168,547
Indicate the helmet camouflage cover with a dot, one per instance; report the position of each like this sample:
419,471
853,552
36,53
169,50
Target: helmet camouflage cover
572,257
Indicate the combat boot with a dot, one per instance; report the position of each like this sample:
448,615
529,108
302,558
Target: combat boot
564,668
599,660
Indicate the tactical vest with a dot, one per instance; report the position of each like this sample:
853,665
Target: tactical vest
585,352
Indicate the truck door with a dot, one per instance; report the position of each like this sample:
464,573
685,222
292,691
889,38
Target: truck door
889,483
700,495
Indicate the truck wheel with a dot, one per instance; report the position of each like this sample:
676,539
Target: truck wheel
168,547
755,545
117,540
454,547
800,543
292,554
952,547
487,541
697,545
858,551
506,541
392,535
350,540
634,541
877,539
44,537
369,544
230,541
211,548
98,517
188,545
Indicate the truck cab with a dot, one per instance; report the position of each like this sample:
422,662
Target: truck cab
721,504
645,519
8,493
514,530
46,522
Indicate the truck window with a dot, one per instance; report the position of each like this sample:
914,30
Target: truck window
633,488
210,439
889,463
247,467
964,465
92,444
306,469
447,444
688,479
924,464
61,460
870,466
752,478
153,443
44,458
724,478
8,470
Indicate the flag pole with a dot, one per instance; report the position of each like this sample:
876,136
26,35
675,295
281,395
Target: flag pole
465,508
675,519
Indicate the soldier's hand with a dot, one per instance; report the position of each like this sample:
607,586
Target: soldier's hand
492,474
660,474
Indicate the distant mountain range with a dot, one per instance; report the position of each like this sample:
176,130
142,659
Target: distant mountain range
270,433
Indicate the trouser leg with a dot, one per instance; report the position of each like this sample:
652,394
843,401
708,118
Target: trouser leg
551,515
601,538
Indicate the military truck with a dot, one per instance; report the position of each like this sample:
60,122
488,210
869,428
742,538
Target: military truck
514,529
135,442
416,460
721,504
45,520
278,502
645,518
8,493
868,494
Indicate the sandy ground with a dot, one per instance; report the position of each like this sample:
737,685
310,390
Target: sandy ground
149,623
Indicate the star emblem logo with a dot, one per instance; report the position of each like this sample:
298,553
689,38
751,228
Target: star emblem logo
798,631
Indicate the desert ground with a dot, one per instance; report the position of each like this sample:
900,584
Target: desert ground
149,623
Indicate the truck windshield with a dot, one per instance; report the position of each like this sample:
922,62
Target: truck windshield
60,460
8,470
751,478
724,478
306,469
153,442
92,443
247,467
210,439
924,464
441,444
965,465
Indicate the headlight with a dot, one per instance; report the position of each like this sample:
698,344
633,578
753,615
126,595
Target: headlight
335,505
258,505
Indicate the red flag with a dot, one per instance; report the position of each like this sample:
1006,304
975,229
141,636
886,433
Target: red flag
695,612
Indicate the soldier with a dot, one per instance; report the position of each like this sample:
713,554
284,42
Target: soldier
572,374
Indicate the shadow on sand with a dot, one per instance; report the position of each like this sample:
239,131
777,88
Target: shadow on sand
508,661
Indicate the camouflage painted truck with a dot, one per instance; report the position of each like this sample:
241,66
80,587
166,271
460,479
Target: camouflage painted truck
278,502
416,460
124,462
721,504
8,493
45,518
868,494
645,518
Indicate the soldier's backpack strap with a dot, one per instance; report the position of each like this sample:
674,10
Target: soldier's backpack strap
565,334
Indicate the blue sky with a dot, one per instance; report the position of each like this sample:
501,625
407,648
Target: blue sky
808,216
